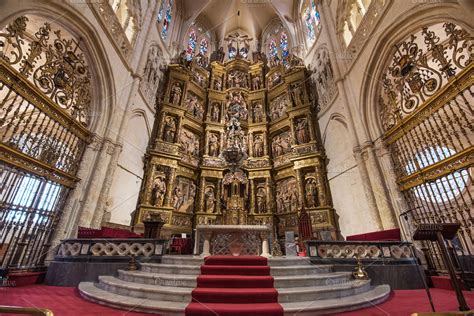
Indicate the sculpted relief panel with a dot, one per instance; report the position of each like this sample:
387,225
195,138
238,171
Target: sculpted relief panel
281,144
184,195
194,106
278,106
287,196
189,143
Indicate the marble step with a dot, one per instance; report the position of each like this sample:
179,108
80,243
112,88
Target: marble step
183,260
146,291
309,293
175,269
179,280
299,270
190,280
182,294
312,279
288,261
370,298
306,308
133,304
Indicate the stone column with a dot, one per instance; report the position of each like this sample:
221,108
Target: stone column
381,198
369,195
206,142
251,153
265,144
162,125
268,191
202,192
206,249
312,135
321,185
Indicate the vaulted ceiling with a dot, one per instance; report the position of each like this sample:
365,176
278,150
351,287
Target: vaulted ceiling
251,16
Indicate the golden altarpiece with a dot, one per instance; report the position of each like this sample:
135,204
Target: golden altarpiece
236,143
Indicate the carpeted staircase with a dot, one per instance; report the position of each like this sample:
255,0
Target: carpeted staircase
231,286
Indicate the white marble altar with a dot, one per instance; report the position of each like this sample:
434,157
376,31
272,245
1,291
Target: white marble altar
232,240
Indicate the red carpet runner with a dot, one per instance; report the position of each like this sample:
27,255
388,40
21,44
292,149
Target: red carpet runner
231,286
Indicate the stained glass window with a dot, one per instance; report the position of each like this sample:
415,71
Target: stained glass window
167,20
284,46
312,20
232,52
191,45
203,47
244,52
160,12
272,49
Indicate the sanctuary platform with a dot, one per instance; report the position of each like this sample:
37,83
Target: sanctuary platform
226,284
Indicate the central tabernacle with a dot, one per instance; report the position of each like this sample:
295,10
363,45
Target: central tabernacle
235,143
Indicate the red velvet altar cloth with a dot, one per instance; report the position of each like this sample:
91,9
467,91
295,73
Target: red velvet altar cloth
383,235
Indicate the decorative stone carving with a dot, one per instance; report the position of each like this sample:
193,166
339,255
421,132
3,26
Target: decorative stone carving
323,78
151,74
287,196
311,192
278,106
158,191
184,195
189,143
301,131
274,79
215,114
237,79
297,95
258,145
281,144
261,200
210,200
169,129
258,114
195,106
256,82
214,144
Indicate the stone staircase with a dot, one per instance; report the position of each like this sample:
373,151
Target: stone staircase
165,288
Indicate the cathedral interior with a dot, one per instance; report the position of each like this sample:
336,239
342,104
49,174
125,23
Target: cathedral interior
142,136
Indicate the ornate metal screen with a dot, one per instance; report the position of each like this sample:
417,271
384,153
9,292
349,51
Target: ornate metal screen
427,114
44,98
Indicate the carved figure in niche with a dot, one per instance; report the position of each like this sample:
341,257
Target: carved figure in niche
175,93
183,195
257,112
301,131
201,60
237,79
236,106
281,144
210,200
199,79
158,190
218,83
294,61
189,143
294,200
194,106
296,92
278,106
169,130
287,196
261,200
213,145
274,79
258,146
256,82
220,55
311,192
215,112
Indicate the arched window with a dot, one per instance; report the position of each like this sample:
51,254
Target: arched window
277,44
197,41
164,17
128,21
191,45
311,20
350,17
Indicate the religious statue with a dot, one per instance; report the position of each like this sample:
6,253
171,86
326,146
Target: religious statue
258,146
261,200
281,144
178,198
175,94
194,106
218,83
215,112
213,145
301,131
237,78
158,190
278,106
296,93
294,200
274,79
257,112
169,130
189,143
311,192
210,200
256,82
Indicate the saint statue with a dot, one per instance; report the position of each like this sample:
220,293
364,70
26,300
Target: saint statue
169,130
213,145
261,200
175,94
210,204
258,146
258,112
158,191
215,112
311,193
302,131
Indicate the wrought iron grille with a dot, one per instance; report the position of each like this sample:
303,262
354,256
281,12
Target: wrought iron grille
44,111
427,113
